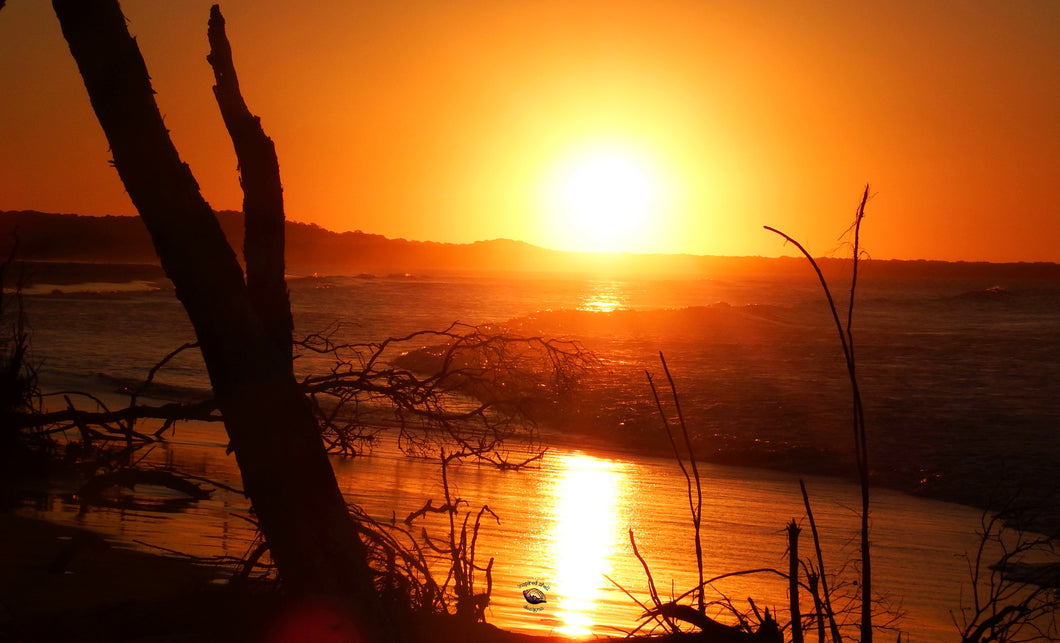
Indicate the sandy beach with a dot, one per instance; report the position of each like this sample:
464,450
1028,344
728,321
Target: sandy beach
62,583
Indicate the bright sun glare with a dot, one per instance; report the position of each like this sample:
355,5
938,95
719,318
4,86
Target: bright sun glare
602,201
586,502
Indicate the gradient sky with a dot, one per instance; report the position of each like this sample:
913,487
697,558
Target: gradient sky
454,121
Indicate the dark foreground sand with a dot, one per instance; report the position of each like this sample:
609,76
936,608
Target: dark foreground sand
63,584
59,583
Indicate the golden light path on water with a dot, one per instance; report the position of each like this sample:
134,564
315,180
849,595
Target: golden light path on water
585,503
605,297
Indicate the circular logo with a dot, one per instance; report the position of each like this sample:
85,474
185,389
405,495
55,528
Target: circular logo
535,593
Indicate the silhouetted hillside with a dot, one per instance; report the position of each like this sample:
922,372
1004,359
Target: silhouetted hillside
312,249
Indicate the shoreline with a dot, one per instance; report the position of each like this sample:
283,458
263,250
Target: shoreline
791,461
91,614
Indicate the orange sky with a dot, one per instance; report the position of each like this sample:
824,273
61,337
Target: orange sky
455,121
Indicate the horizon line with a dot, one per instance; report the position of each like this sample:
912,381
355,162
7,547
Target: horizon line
599,254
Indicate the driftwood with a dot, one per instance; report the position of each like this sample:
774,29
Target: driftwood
711,631
94,489
205,411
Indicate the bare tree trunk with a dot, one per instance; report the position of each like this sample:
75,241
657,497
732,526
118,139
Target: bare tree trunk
793,581
273,433
259,170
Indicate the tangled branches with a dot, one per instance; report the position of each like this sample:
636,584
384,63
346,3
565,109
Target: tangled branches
451,395
469,386
19,394
408,566
104,435
1015,598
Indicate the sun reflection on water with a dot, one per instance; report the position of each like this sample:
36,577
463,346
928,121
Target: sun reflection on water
605,297
586,496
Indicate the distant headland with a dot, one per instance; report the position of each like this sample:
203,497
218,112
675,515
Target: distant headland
315,250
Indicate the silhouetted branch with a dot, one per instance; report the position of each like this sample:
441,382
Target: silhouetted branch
667,613
474,387
658,612
18,376
440,395
408,567
259,172
846,340
644,608
711,630
1009,603
793,581
57,421
825,597
695,505
165,360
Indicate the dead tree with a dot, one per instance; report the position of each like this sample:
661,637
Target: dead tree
1017,597
793,581
861,449
273,433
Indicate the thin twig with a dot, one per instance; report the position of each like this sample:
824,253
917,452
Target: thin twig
826,598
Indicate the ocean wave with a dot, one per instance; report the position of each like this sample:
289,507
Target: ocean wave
992,293
93,288
737,323
154,390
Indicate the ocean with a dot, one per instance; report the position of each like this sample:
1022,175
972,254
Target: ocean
958,376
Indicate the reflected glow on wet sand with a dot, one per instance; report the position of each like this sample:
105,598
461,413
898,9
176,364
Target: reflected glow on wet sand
584,534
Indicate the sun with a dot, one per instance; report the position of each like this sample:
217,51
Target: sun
602,201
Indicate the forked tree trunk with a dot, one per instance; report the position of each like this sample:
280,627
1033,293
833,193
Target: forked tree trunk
274,436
